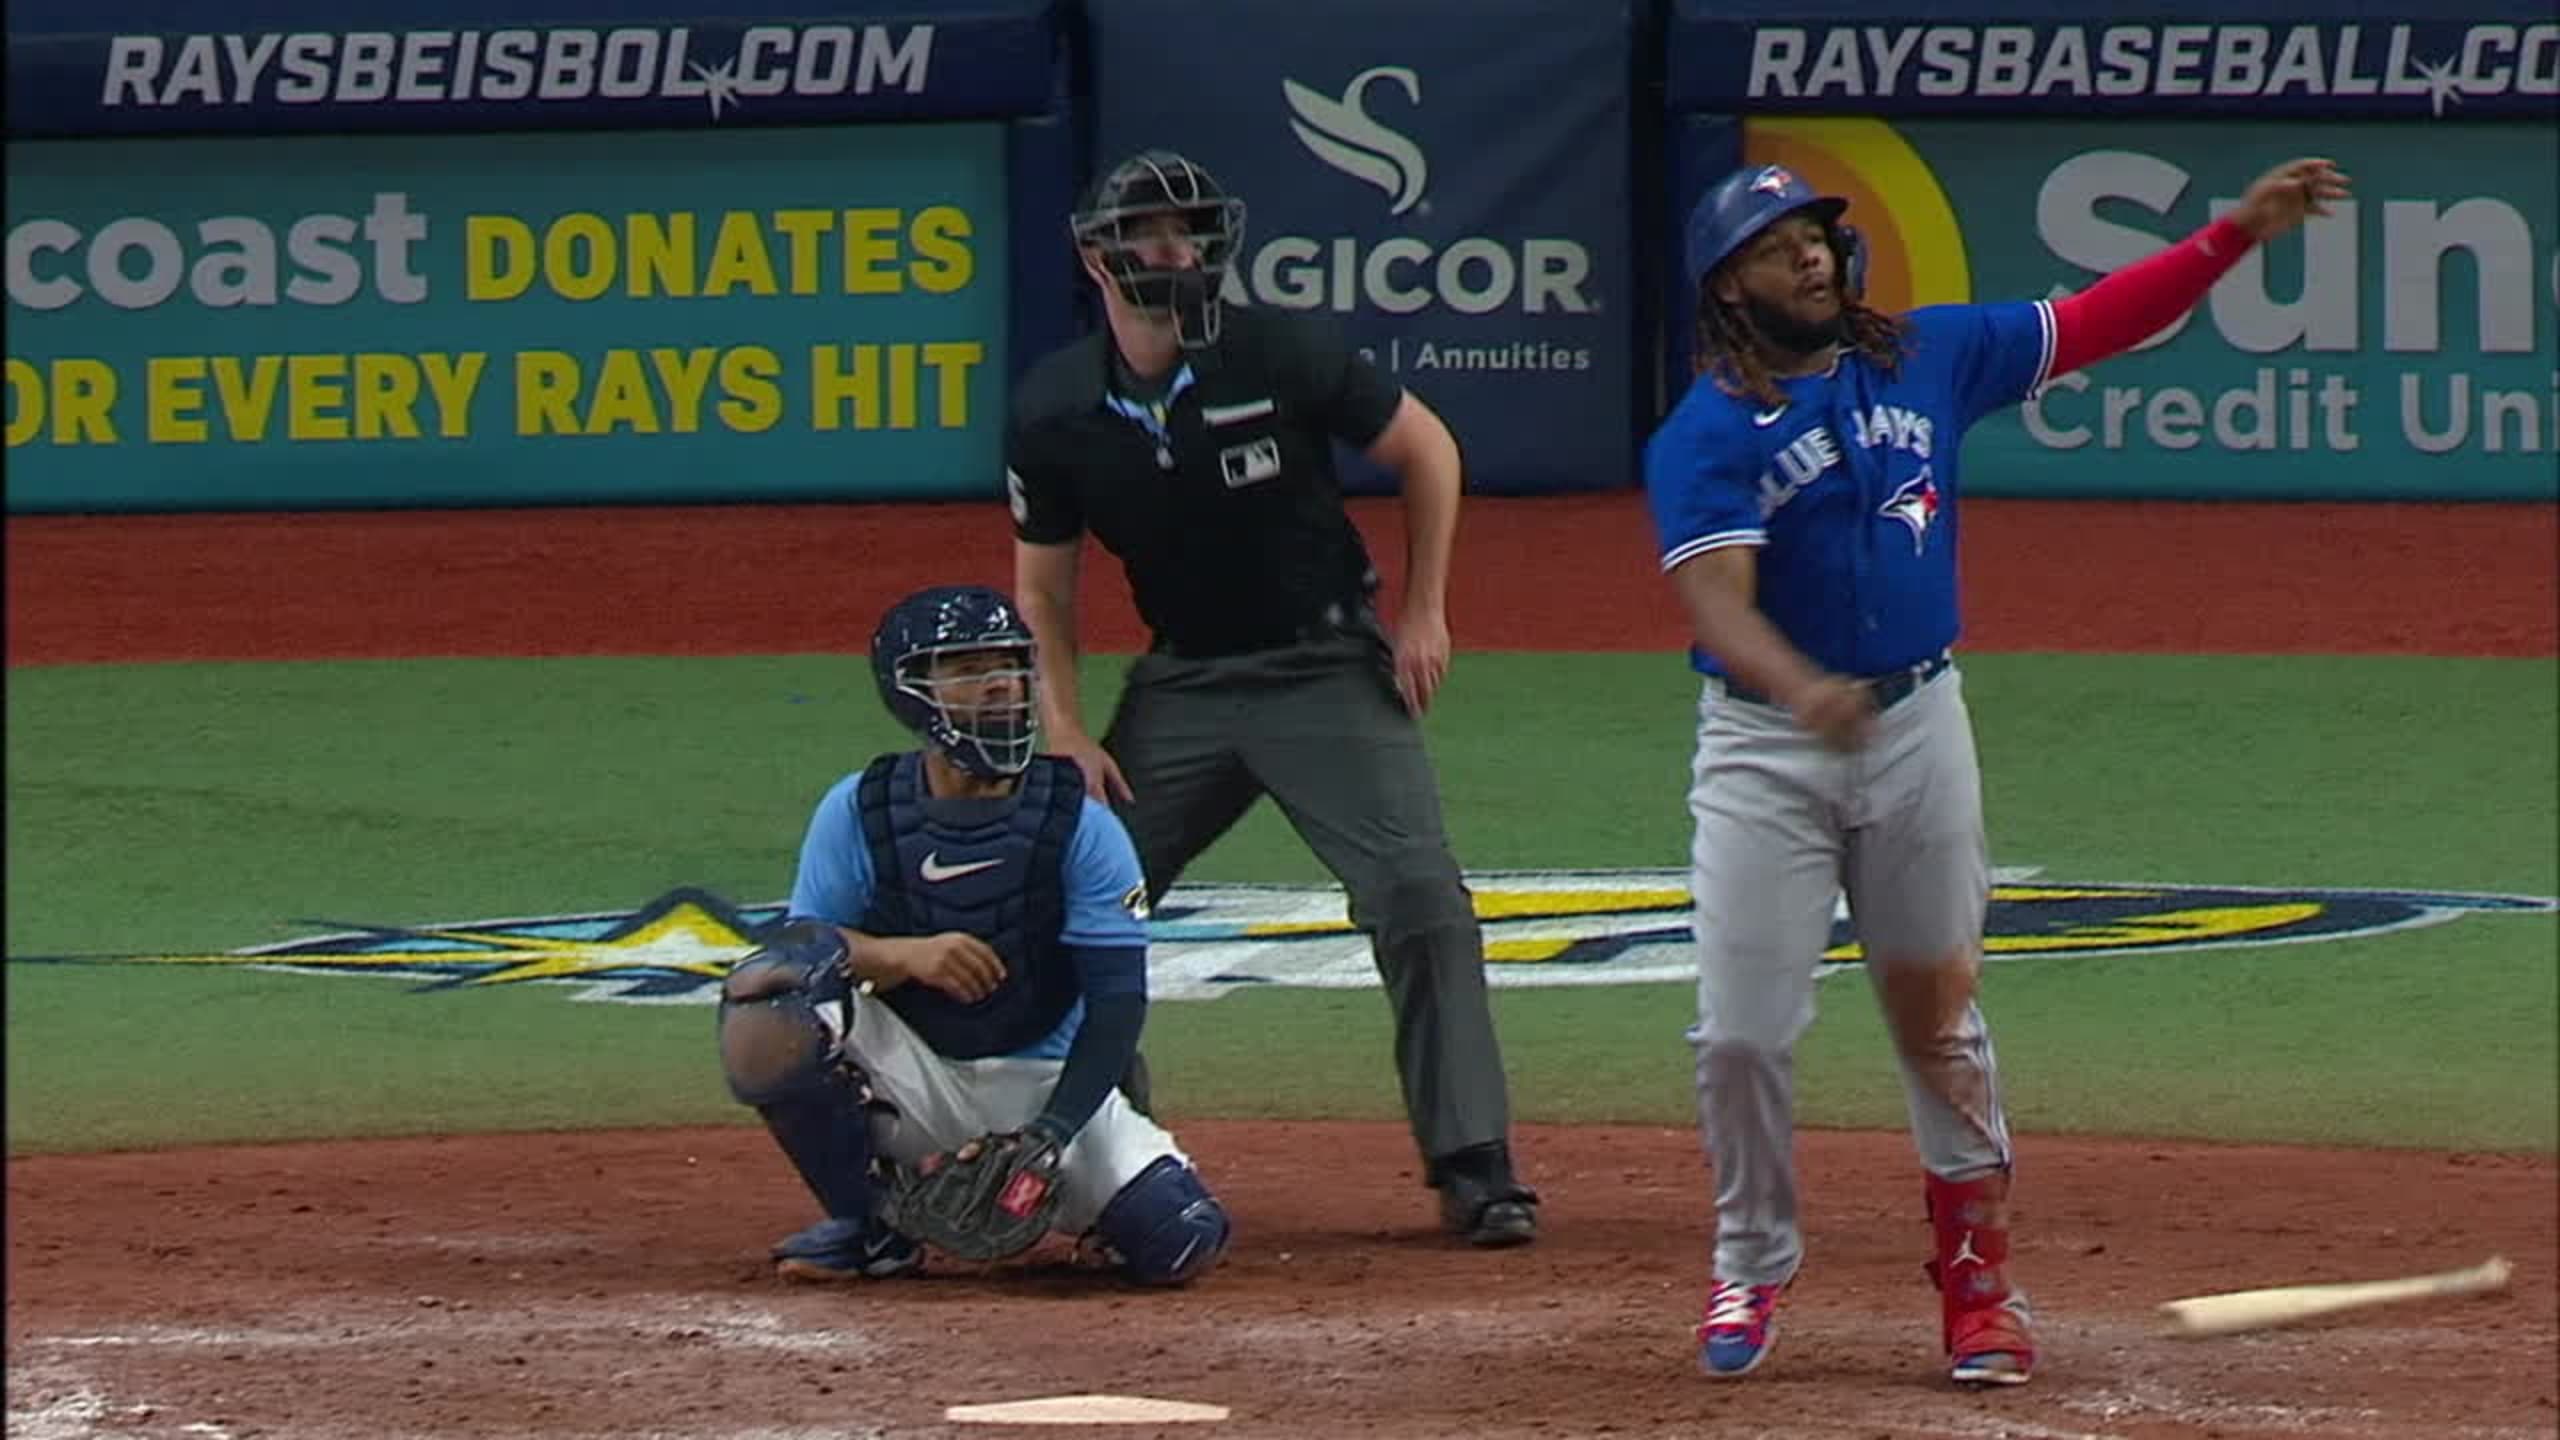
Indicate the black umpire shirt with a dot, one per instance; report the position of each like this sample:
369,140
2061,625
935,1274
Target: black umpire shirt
1218,491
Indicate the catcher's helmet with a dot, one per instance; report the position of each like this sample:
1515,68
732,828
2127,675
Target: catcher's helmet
1159,182
1751,200
992,738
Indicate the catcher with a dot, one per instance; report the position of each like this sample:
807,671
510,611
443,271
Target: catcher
935,1034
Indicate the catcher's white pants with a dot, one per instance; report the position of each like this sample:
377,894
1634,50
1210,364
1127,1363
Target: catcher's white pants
943,1104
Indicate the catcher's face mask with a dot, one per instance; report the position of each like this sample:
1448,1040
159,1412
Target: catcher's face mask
979,704
1163,235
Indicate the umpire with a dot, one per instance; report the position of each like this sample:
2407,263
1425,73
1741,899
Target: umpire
1195,442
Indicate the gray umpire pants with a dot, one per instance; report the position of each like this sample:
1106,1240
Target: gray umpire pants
1318,727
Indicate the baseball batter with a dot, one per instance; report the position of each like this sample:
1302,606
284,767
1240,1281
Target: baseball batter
1804,493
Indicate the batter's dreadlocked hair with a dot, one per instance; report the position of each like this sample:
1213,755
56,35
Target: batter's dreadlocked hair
1732,348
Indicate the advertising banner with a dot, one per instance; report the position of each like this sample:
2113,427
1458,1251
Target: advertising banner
124,67
1459,200
2479,59
2408,347
516,319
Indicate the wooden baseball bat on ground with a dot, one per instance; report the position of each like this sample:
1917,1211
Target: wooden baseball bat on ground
2238,1310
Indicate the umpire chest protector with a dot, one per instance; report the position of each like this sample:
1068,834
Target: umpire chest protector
990,868
1218,495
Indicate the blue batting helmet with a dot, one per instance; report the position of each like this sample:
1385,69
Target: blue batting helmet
1749,201
989,737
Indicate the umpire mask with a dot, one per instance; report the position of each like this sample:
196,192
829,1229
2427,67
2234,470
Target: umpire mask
1122,218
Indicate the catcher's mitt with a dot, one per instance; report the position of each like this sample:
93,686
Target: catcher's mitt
989,1199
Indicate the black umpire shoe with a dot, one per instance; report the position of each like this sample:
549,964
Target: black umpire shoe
1480,1201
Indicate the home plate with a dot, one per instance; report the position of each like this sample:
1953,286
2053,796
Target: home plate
1086,1410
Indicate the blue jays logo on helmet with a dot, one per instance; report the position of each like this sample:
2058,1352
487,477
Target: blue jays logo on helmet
1745,203
989,733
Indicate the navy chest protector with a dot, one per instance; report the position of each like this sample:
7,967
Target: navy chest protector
996,870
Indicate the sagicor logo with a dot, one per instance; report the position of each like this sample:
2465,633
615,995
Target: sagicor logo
1343,136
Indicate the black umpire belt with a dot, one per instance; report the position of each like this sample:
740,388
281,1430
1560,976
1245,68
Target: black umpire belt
1334,623
1889,689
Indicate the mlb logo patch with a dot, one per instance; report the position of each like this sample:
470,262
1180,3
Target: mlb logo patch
1250,463
1772,180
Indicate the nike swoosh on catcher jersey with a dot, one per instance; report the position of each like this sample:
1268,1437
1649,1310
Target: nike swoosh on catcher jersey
935,872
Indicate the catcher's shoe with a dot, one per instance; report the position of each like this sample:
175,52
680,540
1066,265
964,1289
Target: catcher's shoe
1480,1201
1983,1319
1740,1328
846,1250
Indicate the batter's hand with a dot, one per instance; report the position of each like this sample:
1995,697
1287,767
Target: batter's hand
1102,778
1840,710
1422,657
958,964
2289,194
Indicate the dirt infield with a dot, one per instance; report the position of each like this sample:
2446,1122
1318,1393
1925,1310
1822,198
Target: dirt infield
611,1285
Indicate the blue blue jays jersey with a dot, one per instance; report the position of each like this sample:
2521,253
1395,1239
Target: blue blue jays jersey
969,873
1849,489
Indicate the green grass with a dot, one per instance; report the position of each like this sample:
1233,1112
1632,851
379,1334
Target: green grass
2274,1044
193,808
169,1056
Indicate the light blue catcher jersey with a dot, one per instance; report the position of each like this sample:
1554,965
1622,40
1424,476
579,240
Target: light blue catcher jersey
834,883
1103,890
1849,489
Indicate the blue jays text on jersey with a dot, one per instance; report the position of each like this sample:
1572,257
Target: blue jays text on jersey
1848,490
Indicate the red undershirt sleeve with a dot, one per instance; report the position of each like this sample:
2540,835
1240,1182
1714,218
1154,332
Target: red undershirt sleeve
2120,311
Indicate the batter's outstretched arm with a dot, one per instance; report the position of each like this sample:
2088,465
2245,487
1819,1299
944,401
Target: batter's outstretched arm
2117,313
1718,589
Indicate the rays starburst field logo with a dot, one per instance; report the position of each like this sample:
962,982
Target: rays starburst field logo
1541,928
